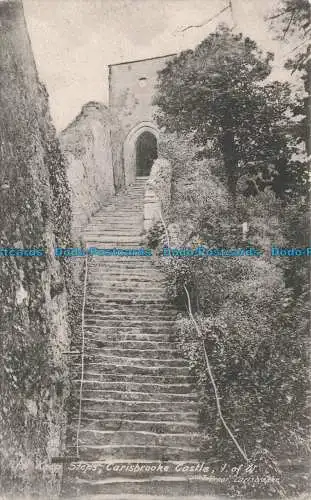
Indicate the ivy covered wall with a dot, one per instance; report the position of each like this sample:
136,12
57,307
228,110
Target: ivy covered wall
34,213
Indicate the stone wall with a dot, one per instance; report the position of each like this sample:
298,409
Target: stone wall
158,193
34,213
86,145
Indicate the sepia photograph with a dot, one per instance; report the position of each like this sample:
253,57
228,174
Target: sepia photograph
155,253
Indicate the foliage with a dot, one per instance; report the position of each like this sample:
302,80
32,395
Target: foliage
292,20
155,235
252,316
214,93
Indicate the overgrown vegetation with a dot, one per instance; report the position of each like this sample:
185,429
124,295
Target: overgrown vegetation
215,92
252,313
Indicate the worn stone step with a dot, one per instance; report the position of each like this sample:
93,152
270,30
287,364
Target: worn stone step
139,314
97,334
114,236
139,378
109,243
102,314
133,344
124,279
128,286
102,328
110,452
172,355
128,322
169,488
115,300
138,369
115,288
141,438
165,308
147,291
159,314
135,425
113,271
124,360
115,224
178,415
119,395
129,406
123,260
114,233
132,386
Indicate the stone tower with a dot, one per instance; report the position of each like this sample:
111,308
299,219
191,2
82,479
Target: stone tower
131,89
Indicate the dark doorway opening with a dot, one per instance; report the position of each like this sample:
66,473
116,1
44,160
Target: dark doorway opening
146,153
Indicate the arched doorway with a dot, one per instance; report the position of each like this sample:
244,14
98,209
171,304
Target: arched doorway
130,149
146,153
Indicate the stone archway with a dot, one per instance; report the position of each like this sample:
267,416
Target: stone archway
133,142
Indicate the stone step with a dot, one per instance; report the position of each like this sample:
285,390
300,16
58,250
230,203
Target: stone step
110,452
114,215
167,307
172,416
155,354
95,334
92,318
124,279
113,226
168,488
124,360
124,213
136,425
122,242
133,405
121,211
131,396
120,275
103,329
132,386
119,260
132,344
139,300
137,369
158,315
104,287
103,266
111,272
121,438
113,233
135,233
162,319
135,310
152,378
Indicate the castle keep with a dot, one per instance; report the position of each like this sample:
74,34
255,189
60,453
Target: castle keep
131,90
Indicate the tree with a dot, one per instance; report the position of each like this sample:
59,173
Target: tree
294,19
219,93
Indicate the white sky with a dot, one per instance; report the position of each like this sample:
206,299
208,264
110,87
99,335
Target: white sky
74,40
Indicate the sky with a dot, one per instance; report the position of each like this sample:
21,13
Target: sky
75,40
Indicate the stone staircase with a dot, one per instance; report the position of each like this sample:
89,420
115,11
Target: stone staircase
138,404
